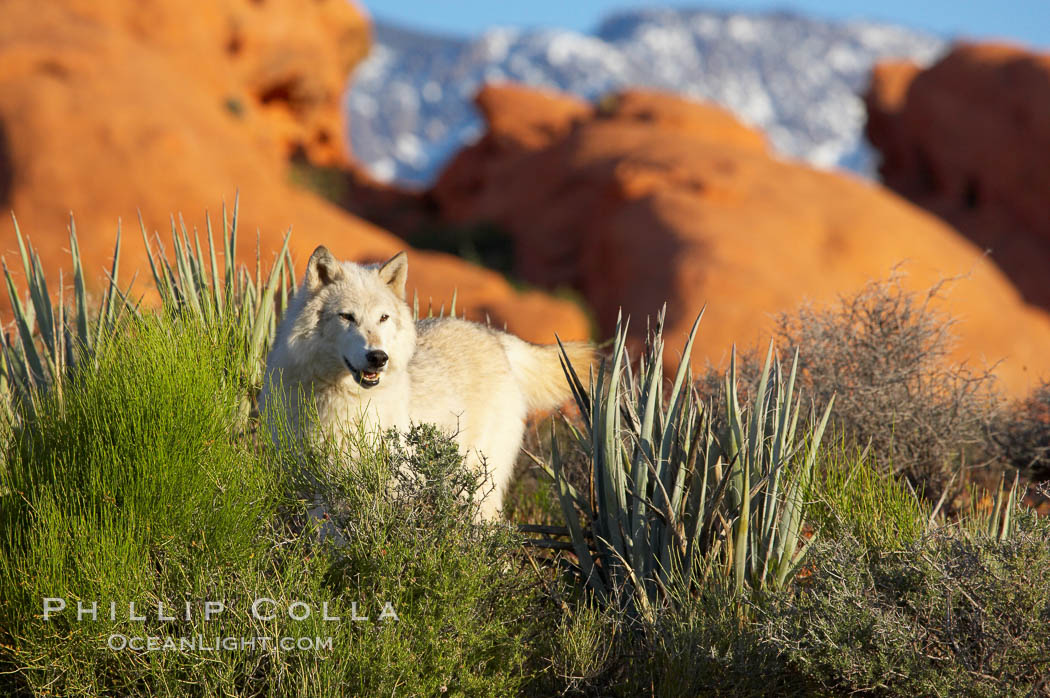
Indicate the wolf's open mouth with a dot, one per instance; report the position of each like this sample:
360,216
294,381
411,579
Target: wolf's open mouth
366,379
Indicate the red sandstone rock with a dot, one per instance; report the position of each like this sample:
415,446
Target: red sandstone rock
653,199
968,139
109,107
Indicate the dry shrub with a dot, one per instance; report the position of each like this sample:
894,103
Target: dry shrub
885,353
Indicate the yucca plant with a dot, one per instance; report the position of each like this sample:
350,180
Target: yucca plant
993,517
51,340
772,474
672,501
190,283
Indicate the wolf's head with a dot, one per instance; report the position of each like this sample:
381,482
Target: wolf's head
360,323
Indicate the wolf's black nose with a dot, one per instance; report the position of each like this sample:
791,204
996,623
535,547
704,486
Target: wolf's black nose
377,358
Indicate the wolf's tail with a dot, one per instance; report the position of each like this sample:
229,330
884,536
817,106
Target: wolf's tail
538,372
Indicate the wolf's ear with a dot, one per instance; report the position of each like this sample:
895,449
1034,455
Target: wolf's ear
322,269
394,273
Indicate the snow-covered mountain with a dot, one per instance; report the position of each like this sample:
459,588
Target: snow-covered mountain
794,77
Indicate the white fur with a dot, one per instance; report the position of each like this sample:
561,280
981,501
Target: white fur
470,380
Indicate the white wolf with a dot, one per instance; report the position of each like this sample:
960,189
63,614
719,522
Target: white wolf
348,340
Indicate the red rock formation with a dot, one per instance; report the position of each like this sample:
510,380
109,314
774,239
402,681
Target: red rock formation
109,107
968,139
650,198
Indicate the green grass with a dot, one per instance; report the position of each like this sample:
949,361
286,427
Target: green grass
853,496
133,487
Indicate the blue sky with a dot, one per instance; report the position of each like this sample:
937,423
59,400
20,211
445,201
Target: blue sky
1026,21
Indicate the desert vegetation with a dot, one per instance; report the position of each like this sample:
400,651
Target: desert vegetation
839,514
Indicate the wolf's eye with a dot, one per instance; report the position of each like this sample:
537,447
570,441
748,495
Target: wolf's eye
384,317
349,317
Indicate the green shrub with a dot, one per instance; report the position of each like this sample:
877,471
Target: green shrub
404,527
948,616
